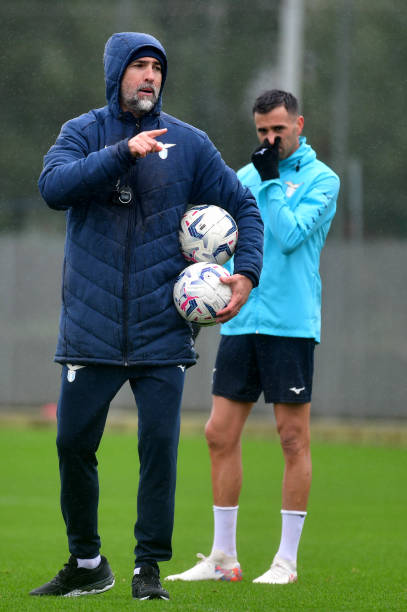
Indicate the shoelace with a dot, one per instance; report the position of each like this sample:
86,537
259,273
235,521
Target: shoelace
150,579
66,571
280,569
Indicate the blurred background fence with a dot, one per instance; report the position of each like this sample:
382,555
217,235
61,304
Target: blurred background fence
345,60
360,364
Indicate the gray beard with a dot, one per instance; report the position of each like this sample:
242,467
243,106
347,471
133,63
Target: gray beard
141,106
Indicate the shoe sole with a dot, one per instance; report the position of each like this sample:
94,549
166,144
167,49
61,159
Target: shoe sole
152,597
94,591
228,575
171,579
290,581
233,575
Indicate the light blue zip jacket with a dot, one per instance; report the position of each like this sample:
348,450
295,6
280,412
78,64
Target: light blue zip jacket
297,211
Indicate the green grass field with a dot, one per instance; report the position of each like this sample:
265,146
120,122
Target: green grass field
353,553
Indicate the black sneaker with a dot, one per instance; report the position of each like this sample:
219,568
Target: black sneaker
72,580
147,585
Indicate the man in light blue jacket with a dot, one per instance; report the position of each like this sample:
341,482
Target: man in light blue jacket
272,340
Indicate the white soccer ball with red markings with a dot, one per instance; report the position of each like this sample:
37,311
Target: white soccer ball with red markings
208,233
199,294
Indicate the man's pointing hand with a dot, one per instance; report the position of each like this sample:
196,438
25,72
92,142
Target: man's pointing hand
144,143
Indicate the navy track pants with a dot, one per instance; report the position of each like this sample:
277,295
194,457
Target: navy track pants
82,411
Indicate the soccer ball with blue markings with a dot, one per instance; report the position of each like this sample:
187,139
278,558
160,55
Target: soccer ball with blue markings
208,234
199,294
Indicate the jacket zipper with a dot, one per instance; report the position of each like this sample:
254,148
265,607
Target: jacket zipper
130,228
126,284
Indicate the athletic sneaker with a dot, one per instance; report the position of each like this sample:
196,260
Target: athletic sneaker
280,572
73,581
218,566
146,584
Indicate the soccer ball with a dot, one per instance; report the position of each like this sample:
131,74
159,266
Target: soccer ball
208,233
199,294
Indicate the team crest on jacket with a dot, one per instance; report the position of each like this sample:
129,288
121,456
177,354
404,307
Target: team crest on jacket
291,188
164,152
71,374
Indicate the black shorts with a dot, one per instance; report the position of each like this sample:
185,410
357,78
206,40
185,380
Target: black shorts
281,367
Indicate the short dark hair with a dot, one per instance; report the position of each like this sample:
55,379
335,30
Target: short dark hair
272,98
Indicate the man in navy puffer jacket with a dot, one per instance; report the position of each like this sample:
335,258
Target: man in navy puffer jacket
125,174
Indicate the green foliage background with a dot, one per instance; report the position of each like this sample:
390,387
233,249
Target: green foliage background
221,54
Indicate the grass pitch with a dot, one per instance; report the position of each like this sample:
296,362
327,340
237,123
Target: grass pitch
352,555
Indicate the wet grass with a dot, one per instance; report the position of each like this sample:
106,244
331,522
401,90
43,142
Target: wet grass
352,554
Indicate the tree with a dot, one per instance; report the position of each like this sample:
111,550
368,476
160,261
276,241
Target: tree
222,53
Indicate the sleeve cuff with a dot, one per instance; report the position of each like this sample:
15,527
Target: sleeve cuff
250,275
124,151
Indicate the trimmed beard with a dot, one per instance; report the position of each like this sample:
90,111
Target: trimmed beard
141,106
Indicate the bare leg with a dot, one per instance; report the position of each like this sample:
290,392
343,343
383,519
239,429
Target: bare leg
293,426
223,432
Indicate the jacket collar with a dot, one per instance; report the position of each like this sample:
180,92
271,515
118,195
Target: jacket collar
302,156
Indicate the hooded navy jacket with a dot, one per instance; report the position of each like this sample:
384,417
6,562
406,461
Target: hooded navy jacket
122,257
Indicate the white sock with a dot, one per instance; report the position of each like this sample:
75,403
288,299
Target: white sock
225,520
292,524
89,563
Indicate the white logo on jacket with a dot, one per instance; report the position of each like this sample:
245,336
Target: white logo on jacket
291,188
164,152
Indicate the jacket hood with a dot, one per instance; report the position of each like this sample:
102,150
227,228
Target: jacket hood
119,50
